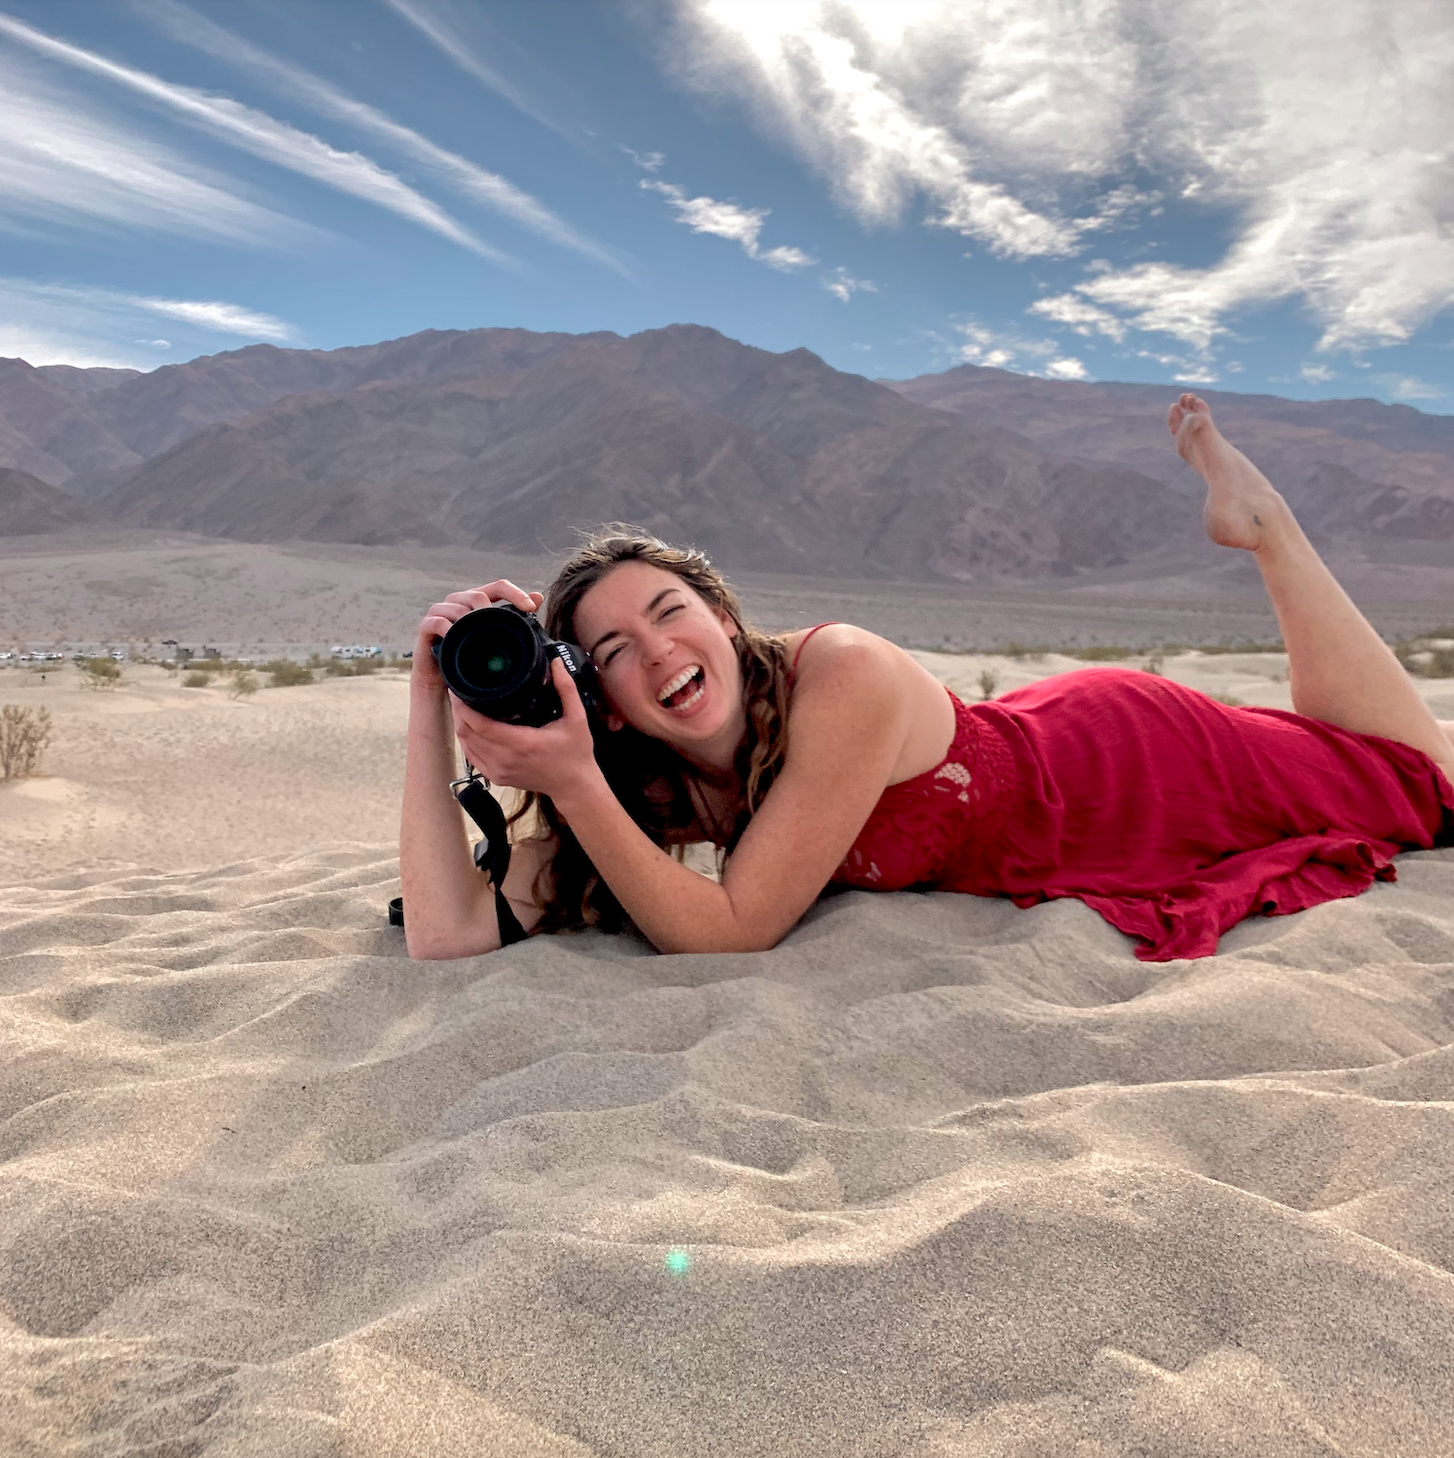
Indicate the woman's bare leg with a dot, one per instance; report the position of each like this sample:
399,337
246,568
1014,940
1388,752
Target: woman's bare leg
1339,669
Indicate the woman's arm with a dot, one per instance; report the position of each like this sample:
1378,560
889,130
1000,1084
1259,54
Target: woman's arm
850,720
449,904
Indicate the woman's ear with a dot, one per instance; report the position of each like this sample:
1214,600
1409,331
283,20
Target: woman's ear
614,722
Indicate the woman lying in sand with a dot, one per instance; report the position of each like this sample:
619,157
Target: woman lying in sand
830,755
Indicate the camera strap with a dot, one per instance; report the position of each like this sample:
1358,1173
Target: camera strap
492,854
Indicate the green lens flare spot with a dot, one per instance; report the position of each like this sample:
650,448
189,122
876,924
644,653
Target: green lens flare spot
498,664
678,1262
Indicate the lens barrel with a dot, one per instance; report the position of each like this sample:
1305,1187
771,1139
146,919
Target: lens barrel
497,660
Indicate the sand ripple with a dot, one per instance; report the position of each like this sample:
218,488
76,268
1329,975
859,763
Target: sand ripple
944,1178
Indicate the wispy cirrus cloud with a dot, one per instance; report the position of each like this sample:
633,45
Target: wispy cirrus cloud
1010,349
466,178
1315,138
436,25
57,323
731,221
65,161
264,136
842,285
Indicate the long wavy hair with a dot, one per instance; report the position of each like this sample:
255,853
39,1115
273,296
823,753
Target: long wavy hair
658,788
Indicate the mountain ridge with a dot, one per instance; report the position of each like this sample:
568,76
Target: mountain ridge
772,461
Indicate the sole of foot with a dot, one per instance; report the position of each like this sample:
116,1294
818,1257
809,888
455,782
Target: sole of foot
1241,506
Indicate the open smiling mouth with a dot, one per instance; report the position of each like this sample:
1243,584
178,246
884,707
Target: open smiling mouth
685,689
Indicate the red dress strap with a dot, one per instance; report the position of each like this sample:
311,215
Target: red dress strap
793,671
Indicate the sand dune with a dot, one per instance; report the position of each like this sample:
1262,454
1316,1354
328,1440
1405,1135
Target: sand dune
935,1177
945,1177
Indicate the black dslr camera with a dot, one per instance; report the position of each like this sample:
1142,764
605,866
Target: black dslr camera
497,660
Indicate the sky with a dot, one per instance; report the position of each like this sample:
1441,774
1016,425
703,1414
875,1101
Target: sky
1257,197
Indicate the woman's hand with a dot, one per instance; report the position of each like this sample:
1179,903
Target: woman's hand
444,615
558,759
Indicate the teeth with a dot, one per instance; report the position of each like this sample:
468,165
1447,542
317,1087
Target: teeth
680,681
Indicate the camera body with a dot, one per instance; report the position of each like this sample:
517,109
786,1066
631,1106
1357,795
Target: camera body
497,660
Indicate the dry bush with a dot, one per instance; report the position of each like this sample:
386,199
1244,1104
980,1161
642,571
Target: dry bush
286,674
989,682
100,673
196,679
1424,660
1098,654
244,684
24,735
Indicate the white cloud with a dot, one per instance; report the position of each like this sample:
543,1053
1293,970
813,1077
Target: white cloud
842,285
463,176
1001,348
1067,368
728,220
1317,374
646,161
431,22
1406,387
264,136
65,161
1082,317
50,323
1316,137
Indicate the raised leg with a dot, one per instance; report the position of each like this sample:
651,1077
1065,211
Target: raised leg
1339,669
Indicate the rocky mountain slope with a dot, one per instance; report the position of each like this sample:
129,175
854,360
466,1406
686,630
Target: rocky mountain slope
29,506
510,439
1361,474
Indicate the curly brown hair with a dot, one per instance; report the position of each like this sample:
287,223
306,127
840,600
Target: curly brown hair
651,780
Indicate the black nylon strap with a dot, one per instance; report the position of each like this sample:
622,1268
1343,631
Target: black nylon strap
492,856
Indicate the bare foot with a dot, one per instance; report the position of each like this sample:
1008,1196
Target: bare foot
1241,505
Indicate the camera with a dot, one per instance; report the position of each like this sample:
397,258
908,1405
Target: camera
497,660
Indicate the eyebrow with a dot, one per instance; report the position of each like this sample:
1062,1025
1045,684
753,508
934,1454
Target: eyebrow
616,632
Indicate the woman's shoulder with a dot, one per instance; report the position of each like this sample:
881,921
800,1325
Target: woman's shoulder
841,646
828,640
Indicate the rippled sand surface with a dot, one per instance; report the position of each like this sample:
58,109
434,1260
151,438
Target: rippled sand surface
936,1176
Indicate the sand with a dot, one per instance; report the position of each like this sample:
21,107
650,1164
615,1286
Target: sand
934,1177
129,588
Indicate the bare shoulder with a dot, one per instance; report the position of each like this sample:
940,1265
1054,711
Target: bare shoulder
891,693
841,653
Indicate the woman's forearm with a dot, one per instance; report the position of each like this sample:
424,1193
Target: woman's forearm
676,909
449,909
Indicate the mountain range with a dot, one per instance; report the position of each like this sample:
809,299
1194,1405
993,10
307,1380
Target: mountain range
507,438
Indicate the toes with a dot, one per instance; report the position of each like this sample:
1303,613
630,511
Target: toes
1174,418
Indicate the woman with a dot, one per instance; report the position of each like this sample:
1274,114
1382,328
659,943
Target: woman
1170,814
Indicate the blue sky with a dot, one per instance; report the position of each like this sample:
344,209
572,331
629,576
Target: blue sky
1109,189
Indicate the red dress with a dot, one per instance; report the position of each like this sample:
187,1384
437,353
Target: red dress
1171,814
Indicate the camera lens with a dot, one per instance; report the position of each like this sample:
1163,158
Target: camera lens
495,661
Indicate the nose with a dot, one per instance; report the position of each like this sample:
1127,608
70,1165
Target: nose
657,645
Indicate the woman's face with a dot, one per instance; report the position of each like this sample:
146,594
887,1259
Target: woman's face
665,660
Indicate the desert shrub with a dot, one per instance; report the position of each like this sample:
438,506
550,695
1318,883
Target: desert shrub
100,673
1231,700
1023,650
1098,654
198,678
1424,661
287,674
24,735
352,667
989,682
244,684
1277,647
1155,664
399,661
